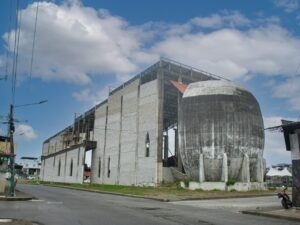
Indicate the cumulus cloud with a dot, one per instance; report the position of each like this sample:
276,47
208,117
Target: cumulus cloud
269,50
93,97
74,43
24,131
287,5
275,151
289,90
225,19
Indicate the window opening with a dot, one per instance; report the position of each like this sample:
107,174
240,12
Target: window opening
59,164
108,167
99,167
147,143
71,168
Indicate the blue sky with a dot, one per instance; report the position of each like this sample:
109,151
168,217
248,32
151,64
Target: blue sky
83,48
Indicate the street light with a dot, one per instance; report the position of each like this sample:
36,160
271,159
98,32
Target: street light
11,139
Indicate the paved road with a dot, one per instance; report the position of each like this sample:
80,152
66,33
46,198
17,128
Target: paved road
58,206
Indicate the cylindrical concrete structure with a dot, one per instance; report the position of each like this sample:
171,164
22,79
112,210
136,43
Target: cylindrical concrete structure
217,117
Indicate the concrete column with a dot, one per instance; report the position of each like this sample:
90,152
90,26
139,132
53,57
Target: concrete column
166,146
225,168
201,168
245,172
260,168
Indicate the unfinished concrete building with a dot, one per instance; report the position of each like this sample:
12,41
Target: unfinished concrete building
128,133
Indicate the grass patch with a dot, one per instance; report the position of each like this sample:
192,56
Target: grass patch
170,191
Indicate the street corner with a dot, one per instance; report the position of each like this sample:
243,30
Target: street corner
292,214
19,196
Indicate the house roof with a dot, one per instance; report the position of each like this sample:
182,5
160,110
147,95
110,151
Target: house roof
273,172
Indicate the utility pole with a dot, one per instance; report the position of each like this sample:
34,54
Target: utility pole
11,129
12,150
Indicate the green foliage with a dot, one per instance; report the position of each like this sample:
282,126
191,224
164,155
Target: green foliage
230,182
216,190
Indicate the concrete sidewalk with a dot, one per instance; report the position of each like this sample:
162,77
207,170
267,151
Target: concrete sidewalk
20,196
278,212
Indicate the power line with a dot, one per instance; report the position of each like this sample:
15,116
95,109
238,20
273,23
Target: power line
33,41
8,42
16,49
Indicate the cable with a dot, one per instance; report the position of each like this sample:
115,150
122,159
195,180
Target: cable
16,49
33,41
8,42
15,53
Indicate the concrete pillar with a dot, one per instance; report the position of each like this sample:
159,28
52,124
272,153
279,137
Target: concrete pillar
225,168
260,169
166,146
245,172
201,168
176,142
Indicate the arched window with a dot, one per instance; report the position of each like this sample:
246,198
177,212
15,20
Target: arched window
59,164
71,168
99,167
147,144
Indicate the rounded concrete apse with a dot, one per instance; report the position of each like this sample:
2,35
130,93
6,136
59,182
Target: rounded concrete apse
217,117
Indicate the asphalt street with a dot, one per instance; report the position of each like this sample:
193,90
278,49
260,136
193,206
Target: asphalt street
59,206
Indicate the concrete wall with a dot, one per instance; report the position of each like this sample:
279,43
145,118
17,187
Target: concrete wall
121,127
50,167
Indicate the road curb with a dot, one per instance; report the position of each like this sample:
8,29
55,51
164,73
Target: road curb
257,213
156,199
26,197
16,198
107,192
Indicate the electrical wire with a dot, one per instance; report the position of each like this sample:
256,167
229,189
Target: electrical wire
8,42
16,50
33,41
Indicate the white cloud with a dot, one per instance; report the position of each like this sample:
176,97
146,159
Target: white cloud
275,151
289,90
93,97
287,5
25,132
74,42
225,19
268,50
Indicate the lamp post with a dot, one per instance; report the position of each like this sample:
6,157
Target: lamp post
12,147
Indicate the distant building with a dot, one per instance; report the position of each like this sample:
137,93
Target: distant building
279,175
31,165
281,166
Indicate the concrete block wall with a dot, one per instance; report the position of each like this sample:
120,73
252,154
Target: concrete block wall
148,167
112,138
98,175
50,167
120,129
132,113
128,138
